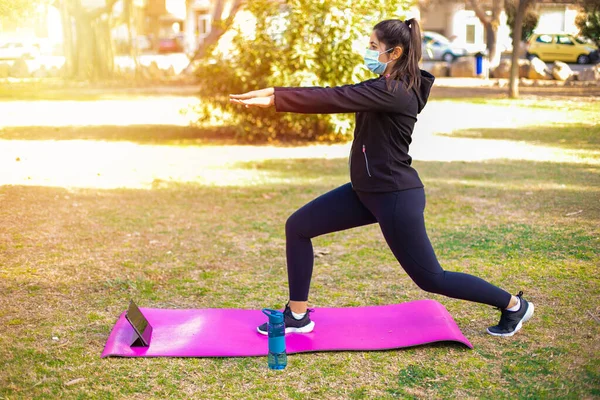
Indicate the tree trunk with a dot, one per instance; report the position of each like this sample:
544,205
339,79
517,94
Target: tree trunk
513,86
89,51
104,56
494,52
65,17
490,24
84,48
133,50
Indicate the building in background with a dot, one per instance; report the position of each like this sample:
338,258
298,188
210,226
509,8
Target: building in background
198,23
557,16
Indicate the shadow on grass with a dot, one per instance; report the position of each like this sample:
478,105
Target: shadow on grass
64,90
143,134
569,136
577,136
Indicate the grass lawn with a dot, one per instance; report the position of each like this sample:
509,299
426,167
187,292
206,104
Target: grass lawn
71,257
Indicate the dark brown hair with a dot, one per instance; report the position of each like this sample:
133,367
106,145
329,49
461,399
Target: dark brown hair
407,35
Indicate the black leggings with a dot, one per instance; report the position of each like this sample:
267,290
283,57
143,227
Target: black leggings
400,216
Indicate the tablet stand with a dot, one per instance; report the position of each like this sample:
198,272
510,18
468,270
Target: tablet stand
140,325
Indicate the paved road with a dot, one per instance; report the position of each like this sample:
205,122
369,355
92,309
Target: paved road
579,67
574,67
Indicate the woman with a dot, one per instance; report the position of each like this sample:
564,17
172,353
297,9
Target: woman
384,187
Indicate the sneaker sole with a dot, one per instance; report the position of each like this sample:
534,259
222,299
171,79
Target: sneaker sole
526,317
305,329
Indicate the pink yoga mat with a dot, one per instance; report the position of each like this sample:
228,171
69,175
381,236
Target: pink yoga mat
227,332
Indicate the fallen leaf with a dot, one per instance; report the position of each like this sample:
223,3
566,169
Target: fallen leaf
321,253
574,213
74,381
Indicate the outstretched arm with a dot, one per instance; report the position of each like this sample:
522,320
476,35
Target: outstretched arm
255,98
262,97
255,93
370,95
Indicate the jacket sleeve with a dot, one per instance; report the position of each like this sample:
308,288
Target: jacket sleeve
298,88
370,95
288,89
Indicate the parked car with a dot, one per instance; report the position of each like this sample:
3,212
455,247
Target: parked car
170,45
561,47
438,47
14,50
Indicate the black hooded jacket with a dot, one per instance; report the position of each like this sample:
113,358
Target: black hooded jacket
385,118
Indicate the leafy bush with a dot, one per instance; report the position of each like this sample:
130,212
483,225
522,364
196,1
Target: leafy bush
296,43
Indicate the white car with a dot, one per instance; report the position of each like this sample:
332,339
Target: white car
438,47
14,50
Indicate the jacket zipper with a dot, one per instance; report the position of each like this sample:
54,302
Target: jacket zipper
366,161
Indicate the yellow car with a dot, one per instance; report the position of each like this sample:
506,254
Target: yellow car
561,47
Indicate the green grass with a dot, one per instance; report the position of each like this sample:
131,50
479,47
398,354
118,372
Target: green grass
68,271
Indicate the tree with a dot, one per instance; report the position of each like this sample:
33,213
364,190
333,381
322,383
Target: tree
87,39
86,34
517,29
11,8
490,23
530,20
221,23
588,21
128,16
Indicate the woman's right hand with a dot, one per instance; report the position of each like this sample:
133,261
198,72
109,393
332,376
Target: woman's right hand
253,94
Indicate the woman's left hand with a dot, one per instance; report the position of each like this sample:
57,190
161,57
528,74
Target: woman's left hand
263,102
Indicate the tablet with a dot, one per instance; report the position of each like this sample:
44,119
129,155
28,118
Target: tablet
140,325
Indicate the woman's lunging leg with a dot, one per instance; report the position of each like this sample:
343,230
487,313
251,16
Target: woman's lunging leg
400,215
334,211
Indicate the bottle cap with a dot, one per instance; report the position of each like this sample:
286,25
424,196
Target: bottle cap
275,316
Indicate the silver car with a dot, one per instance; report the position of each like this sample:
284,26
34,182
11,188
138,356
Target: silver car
438,47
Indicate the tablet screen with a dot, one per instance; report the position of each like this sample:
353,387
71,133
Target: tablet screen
139,323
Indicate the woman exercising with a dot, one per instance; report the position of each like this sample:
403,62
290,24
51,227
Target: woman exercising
384,188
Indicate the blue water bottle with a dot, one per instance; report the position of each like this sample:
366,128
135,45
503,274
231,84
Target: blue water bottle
276,329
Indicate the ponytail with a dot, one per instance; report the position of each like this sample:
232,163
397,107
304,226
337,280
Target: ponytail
407,35
414,54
